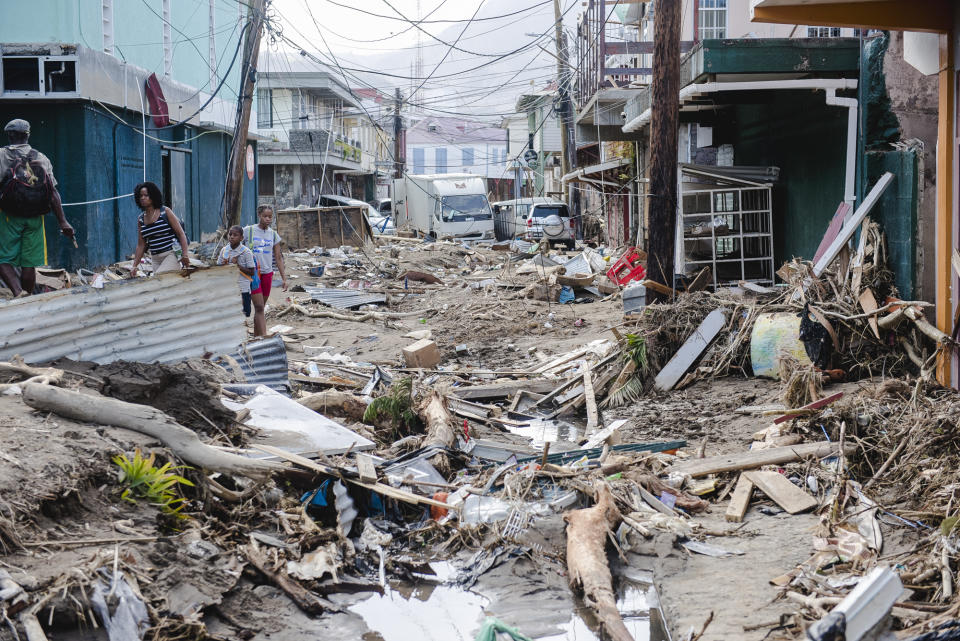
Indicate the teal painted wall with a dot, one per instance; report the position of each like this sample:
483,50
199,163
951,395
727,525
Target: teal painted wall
806,139
896,212
96,157
138,32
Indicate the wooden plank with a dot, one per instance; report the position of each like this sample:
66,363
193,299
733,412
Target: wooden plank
379,488
366,469
690,351
868,303
848,229
593,419
704,278
502,390
755,459
740,501
657,287
823,402
836,223
784,493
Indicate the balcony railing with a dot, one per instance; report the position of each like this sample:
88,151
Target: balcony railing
601,60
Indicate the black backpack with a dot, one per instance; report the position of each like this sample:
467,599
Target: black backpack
26,190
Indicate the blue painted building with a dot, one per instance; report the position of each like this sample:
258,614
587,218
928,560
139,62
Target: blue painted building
77,71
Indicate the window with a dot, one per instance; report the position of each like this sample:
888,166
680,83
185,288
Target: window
265,108
468,156
418,160
823,32
712,21
440,161
39,75
265,184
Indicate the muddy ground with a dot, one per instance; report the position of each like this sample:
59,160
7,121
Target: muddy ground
60,509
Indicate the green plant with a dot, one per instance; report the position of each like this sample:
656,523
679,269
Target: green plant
394,407
628,388
145,480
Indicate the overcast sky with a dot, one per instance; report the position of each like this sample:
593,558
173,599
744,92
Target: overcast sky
363,42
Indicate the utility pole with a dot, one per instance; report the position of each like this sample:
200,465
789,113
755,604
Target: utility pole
664,117
566,122
399,157
233,194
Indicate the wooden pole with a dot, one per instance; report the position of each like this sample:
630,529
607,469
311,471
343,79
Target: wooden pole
233,193
665,114
562,89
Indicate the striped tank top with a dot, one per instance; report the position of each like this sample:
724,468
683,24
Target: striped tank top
159,235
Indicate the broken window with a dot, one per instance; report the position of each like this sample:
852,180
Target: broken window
265,181
21,75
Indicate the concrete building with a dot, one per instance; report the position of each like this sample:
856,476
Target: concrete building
931,45
544,138
449,145
78,72
311,122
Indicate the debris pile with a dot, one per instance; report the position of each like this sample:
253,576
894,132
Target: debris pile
487,419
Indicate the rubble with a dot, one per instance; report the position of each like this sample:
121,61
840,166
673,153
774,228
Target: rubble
445,433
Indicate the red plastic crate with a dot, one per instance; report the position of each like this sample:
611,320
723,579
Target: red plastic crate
627,268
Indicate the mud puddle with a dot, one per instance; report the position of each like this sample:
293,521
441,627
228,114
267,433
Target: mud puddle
436,612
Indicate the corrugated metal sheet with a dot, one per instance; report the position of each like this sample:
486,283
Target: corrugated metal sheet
166,318
344,298
263,363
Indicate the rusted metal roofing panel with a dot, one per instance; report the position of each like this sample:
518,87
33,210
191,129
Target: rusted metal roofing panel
164,318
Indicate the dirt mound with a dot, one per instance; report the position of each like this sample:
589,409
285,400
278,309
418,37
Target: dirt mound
188,391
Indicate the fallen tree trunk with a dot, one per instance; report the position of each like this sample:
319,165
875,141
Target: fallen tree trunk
587,567
147,420
439,422
336,403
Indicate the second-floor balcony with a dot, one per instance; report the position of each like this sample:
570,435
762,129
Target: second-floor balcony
313,147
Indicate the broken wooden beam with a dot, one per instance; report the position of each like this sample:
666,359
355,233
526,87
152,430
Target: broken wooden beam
755,459
504,389
740,501
784,493
816,405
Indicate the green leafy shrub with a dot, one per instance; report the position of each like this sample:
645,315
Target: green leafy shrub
158,485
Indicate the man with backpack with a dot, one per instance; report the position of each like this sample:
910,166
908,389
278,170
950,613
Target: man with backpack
28,191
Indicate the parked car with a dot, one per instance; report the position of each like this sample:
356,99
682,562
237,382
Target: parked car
513,214
550,221
383,206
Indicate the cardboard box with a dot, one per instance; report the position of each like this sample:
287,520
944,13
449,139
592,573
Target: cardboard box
422,354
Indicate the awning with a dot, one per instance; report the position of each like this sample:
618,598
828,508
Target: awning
595,169
895,15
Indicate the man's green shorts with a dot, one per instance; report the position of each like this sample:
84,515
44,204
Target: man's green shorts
22,241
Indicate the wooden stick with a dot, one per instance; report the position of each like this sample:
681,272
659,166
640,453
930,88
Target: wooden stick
754,459
740,501
305,600
83,542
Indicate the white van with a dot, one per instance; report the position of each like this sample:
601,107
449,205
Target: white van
443,205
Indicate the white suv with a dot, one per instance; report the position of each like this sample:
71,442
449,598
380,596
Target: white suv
550,221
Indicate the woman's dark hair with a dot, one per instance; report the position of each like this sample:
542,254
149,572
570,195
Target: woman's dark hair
156,196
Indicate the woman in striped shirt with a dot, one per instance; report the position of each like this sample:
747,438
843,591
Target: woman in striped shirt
159,231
